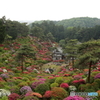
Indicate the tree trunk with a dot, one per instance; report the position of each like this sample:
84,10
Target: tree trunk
72,61
89,72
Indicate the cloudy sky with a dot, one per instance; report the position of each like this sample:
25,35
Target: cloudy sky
48,9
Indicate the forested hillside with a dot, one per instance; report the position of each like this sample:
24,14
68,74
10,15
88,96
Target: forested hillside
52,30
75,22
83,29
80,21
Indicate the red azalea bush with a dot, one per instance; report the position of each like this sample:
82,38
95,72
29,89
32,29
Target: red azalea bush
13,96
47,94
64,85
81,81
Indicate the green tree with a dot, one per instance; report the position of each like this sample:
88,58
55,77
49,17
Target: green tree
89,54
71,50
37,32
16,29
2,29
24,52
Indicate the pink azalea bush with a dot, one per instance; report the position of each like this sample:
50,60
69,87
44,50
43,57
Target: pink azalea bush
35,84
97,76
74,98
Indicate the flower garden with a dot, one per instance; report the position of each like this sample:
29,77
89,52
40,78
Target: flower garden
33,85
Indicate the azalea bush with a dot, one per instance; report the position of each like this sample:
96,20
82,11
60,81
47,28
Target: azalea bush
13,96
15,89
47,94
5,76
64,85
42,88
30,98
74,98
22,83
54,85
36,83
59,80
25,89
98,81
97,76
72,88
59,93
4,92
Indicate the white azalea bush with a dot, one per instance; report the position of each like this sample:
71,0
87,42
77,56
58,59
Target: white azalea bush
72,88
4,92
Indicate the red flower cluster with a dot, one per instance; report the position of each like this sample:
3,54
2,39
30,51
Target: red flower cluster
81,81
64,85
13,96
47,94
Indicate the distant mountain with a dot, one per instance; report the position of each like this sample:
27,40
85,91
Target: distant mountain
79,21
74,22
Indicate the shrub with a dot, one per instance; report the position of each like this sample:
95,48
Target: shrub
22,84
77,77
58,93
72,88
42,88
59,80
97,76
47,94
89,90
51,80
95,73
25,79
98,93
98,81
30,98
4,92
15,89
54,85
95,86
74,98
4,76
64,85
13,96
36,83
25,89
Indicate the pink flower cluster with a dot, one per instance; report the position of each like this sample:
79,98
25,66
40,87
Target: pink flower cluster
74,98
64,85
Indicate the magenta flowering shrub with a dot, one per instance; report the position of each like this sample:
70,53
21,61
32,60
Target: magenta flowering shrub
13,96
25,89
42,79
97,76
64,85
74,98
35,84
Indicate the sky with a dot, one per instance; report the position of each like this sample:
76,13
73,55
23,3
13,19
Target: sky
48,9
